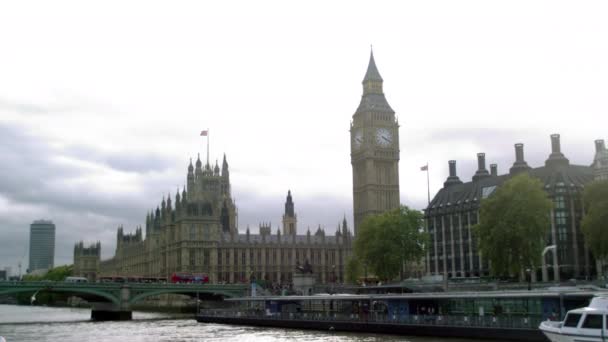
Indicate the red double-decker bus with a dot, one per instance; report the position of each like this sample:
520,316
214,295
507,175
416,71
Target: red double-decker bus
182,278
200,278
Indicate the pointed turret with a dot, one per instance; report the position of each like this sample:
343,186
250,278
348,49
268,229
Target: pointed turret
600,161
224,167
199,164
372,73
372,82
216,170
289,207
373,99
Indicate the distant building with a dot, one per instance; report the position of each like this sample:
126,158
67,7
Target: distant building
197,233
3,275
42,245
453,250
86,260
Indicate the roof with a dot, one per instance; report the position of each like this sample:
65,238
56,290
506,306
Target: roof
374,102
430,295
372,73
468,195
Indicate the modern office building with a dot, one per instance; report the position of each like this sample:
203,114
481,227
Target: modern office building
42,245
454,210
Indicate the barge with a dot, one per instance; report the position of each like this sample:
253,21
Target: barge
497,315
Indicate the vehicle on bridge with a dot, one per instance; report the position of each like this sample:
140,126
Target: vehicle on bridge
76,280
131,279
188,278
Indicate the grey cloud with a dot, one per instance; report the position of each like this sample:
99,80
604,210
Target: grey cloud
138,162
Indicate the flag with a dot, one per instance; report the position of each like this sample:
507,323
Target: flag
204,133
424,168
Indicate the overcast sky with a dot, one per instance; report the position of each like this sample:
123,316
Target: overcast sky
101,104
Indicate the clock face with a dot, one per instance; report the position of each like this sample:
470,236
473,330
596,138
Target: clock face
384,137
358,139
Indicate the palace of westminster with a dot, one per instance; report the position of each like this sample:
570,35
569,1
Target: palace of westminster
196,232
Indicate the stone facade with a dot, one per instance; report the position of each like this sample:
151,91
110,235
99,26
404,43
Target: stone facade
374,135
197,233
86,260
454,210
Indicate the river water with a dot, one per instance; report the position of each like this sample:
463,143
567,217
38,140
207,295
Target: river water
35,323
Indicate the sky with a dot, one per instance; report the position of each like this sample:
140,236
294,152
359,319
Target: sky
102,103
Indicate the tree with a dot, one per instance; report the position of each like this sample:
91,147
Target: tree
513,223
387,241
354,269
595,222
58,273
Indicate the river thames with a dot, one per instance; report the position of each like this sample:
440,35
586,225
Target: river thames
35,323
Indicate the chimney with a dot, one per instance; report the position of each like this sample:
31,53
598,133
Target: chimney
555,145
600,146
494,170
453,178
520,163
481,167
556,158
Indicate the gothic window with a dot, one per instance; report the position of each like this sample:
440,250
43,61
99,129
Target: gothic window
192,253
243,258
192,232
219,257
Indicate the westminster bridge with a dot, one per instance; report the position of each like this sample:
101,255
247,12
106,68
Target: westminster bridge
113,301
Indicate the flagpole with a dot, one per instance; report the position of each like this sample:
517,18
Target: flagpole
428,183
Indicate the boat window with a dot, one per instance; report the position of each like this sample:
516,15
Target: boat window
592,322
572,320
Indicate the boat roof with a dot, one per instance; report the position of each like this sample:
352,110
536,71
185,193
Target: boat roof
429,295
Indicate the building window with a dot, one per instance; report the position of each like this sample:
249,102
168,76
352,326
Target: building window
560,203
219,257
206,258
561,217
192,253
192,232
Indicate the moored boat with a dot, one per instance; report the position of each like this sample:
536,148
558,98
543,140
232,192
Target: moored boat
580,325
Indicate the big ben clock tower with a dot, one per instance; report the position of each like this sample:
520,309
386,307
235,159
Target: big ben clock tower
374,150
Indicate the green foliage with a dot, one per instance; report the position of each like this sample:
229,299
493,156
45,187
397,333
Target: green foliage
354,270
385,242
58,273
595,222
513,224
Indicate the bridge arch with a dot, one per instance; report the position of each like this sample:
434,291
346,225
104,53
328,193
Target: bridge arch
184,291
75,290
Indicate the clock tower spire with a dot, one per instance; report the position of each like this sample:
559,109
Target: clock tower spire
374,134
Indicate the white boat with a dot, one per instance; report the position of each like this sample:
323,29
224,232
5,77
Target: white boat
586,324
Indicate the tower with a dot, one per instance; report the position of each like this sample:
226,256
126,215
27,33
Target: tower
290,220
600,162
374,136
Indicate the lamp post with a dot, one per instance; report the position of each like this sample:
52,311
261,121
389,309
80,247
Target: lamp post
529,273
554,249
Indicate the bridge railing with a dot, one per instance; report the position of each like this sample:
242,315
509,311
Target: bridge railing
510,322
